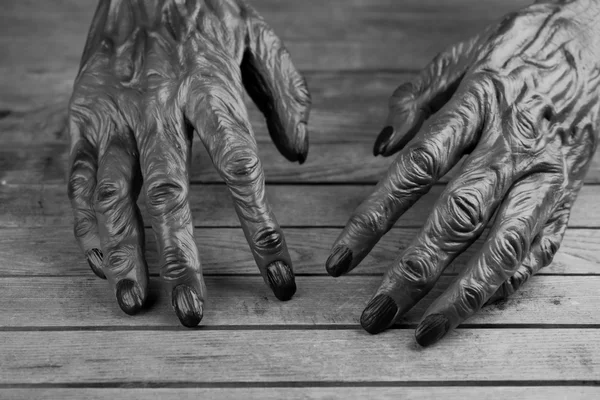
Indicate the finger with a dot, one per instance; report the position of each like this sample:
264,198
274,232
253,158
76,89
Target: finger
414,102
82,185
224,129
544,247
165,152
119,221
276,88
438,147
521,217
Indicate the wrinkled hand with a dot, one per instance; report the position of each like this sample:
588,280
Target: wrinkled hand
152,73
521,100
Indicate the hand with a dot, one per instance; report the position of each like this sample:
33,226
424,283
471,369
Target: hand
152,73
521,100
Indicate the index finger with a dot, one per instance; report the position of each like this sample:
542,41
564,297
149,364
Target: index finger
223,126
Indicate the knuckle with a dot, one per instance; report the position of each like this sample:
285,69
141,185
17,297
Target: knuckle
403,92
166,195
517,280
416,271
177,264
510,249
268,239
419,167
120,261
85,224
241,165
109,192
549,248
82,178
465,209
81,185
369,221
473,297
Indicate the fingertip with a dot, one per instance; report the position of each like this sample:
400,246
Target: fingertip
432,329
188,306
383,140
339,261
129,296
94,259
379,314
301,142
281,280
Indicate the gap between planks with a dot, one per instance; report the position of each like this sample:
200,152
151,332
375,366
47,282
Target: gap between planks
543,355
243,302
33,251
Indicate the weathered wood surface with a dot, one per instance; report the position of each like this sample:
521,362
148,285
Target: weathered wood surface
52,251
63,336
245,300
308,393
349,110
41,42
343,355
294,205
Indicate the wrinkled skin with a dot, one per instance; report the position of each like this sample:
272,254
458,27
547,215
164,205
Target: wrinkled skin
154,72
521,102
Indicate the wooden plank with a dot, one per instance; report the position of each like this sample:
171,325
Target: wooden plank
311,393
41,43
234,300
341,162
347,107
328,162
53,251
295,205
544,355
349,110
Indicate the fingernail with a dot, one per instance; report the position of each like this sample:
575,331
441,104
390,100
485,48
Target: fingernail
94,259
339,261
379,314
432,329
383,140
302,142
187,305
281,280
129,296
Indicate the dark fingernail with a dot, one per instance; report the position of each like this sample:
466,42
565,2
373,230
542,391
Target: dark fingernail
302,142
339,261
281,279
383,140
94,259
129,296
379,314
187,305
432,329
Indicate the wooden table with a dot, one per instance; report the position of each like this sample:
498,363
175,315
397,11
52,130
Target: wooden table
63,336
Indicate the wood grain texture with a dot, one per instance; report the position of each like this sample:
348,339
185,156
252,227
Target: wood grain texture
348,113
52,251
237,300
295,205
42,42
347,355
310,393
